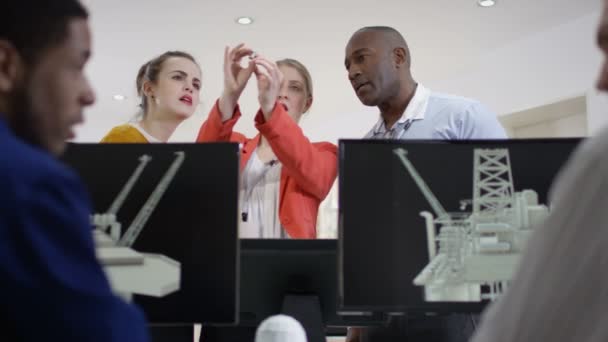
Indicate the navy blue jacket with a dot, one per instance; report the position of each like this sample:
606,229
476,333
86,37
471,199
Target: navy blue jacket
51,286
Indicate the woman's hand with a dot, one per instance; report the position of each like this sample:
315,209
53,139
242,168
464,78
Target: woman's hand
235,78
269,79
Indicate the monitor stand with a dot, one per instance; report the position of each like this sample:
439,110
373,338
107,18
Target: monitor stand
306,309
171,333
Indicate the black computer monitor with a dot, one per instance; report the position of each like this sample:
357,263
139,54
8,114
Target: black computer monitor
385,244
294,277
194,220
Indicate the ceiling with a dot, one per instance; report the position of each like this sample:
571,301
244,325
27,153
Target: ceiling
446,38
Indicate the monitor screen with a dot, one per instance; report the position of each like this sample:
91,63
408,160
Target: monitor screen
176,205
437,225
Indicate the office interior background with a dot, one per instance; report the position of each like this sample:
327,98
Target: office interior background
531,62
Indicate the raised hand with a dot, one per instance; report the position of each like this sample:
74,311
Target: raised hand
235,78
269,79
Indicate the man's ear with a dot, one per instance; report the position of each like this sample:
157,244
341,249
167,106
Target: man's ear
10,64
400,57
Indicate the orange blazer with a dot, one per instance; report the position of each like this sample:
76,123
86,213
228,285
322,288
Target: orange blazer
308,169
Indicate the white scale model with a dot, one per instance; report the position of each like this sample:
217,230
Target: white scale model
475,254
128,271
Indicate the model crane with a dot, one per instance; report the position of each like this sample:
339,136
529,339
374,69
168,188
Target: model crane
128,271
474,255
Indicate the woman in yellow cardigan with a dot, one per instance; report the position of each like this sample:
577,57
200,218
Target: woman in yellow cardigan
169,87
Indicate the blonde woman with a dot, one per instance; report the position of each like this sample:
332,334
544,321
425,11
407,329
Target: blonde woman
284,175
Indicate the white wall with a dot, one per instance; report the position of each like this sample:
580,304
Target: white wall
597,111
568,126
543,68
565,118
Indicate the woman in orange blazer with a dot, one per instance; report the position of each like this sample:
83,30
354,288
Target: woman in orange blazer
284,176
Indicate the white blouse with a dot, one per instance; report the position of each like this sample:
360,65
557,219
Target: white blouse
146,135
259,200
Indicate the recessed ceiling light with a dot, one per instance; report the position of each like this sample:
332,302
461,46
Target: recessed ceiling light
119,97
244,20
486,3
